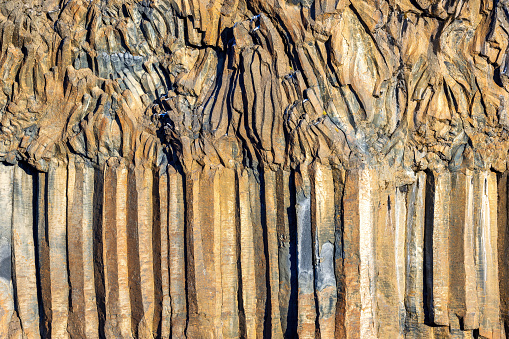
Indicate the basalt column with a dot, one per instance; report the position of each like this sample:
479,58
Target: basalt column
374,267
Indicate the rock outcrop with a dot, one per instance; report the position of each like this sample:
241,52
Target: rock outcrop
254,169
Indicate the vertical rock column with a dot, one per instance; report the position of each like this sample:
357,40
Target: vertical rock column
261,292
247,255
464,265
306,298
471,320
145,203
6,292
90,299
229,273
269,179
503,245
367,187
83,321
358,271
43,263
24,252
414,299
325,280
115,250
486,253
400,223
351,261
216,250
440,248
206,234
122,247
75,261
389,276
165,276
457,250
176,253
57,240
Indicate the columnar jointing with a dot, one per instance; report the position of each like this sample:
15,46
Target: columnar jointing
128,251
6,292
57,244
23,253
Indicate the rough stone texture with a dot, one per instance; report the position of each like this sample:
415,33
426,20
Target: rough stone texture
254,169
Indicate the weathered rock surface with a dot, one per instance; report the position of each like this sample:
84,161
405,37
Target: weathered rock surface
254,169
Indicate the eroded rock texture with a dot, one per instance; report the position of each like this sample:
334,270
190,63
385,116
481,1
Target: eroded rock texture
254,169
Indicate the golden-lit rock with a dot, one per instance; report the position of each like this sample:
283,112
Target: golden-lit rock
254,169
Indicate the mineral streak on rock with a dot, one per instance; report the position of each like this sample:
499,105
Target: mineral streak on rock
254,169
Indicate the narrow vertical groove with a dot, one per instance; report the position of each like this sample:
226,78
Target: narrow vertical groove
367,185
429,224
339,254
291,224
74,242
42,255
24,252
6,292
177,257
165,275
306,298
351,261
57,238
325,280
441,249
229,275
283,236
90,300
98,247
156,254
145,204
122,249
247,255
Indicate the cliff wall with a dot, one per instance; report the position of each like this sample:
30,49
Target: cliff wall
254,169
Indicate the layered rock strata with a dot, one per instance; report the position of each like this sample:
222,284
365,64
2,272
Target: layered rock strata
254,169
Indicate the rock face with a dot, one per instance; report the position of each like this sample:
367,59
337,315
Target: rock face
254,169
